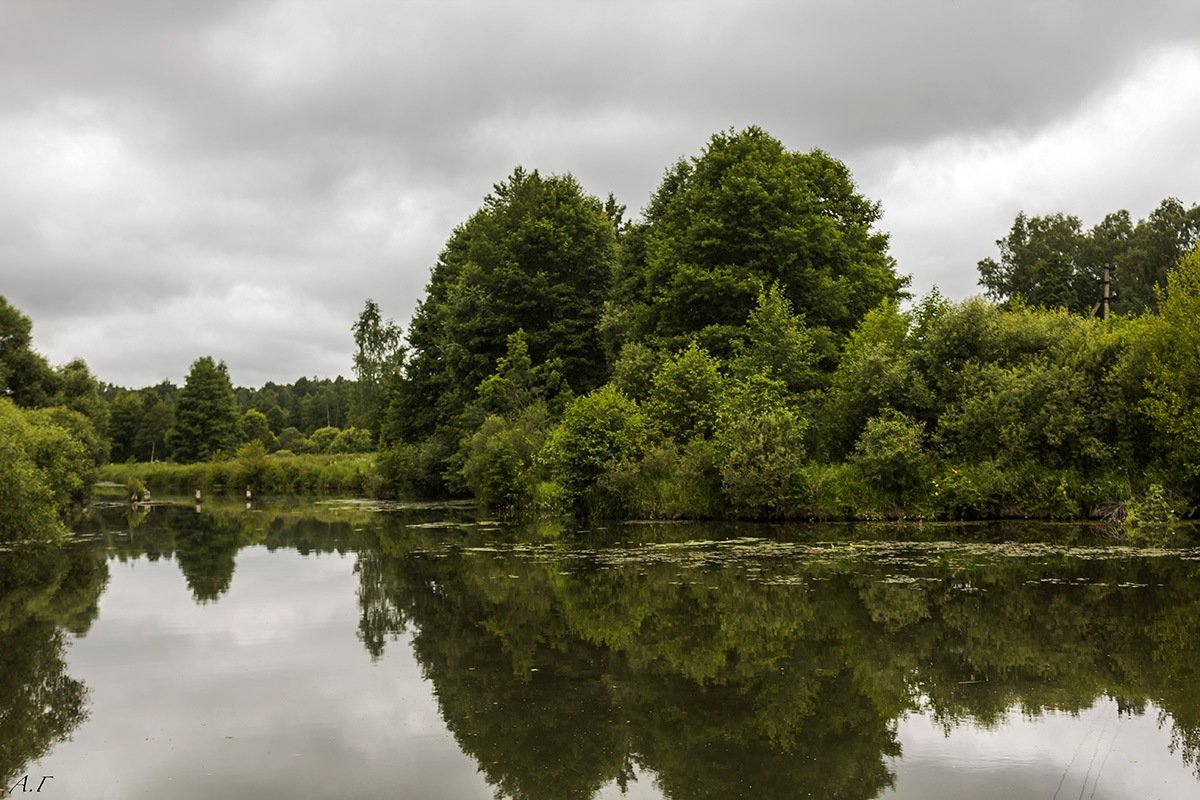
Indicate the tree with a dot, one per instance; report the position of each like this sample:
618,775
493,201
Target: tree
255,427
27,508
44,472
777,344
1154,249
746,214
378,358
206,415
125,416
538,256
1050,261
1040,263
1173,382
25,376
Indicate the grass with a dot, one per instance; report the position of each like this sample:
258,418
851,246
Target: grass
263,474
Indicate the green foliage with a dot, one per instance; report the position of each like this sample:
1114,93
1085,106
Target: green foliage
777,345
634,370
538,256
322,438
1153,508
377,362
875,372
597,430
206,416
668,482
1052,262
1039,263
1173,375
276,473
255,427
685,395
292,439
351,440
500,467
28,504
761,451
745,214
25,376
891,453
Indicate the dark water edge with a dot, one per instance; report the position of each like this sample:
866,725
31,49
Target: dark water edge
369,650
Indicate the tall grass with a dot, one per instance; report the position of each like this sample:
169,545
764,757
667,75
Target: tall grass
262,474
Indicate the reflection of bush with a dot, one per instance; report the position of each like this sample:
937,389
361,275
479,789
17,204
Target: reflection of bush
42,593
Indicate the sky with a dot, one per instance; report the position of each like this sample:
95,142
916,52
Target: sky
235,178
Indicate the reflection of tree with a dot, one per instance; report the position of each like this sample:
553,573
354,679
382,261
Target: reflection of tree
766,675
206,550
42,592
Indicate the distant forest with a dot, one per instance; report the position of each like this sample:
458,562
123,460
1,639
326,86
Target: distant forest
745,348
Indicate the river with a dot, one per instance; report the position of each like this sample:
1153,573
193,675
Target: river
357,650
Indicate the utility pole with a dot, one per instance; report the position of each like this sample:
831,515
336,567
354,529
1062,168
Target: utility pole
1102,306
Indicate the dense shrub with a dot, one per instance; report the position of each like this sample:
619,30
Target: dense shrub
499,466
597,431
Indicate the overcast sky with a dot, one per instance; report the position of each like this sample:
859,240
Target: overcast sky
235,177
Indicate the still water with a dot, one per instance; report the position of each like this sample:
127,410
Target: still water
344,650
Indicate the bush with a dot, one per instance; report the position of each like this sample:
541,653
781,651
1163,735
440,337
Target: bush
685,395
499,463
597,430
890,453
351,440
28,503
668,483
321,438
761,453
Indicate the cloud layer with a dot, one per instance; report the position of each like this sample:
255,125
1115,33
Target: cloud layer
234,178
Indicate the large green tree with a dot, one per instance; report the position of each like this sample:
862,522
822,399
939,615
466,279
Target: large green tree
745,214
206,413
25,376
538,256
378,358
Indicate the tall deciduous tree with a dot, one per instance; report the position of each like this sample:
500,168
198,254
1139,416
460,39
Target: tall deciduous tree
25,376
377,360
538,256
206,413
748,213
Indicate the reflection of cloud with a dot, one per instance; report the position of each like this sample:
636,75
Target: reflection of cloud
172,680
1053,753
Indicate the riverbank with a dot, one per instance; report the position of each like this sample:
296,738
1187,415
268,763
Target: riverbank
353,474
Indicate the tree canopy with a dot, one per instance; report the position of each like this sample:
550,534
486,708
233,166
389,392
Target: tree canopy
744,215
537,256
1051,261
206,413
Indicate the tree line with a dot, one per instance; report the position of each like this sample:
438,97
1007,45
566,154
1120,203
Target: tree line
746,347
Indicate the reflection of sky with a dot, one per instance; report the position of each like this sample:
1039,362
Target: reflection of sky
265,693
1096,754
268,693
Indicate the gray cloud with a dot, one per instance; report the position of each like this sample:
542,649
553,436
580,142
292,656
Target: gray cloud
236,177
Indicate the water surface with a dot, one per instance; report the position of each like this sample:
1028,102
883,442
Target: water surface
340,650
